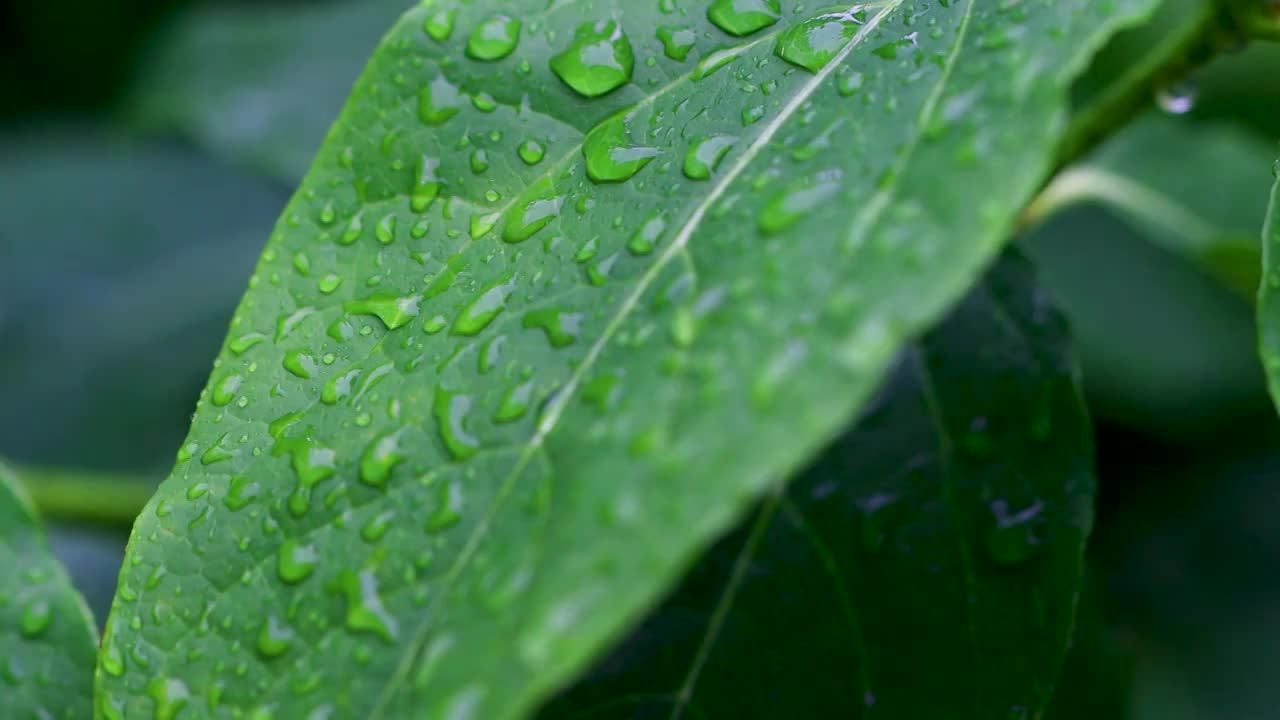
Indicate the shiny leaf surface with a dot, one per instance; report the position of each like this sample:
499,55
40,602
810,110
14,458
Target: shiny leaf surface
562,294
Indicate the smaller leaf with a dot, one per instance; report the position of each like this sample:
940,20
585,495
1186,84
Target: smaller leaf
47,638
925,566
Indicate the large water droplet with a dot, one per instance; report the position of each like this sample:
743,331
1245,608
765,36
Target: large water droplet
380,457
481,311
394,312
426,185
743,17
296,562
494,39
562,328
676,41
451,411
274,637
787,208
610,153
365,611
536,209
704,156
598,60
812,44
439,25
438,101
37,615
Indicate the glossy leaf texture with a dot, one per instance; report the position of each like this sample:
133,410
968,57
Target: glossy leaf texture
926,565
566,290
257,83
47,639
1269,293
1208,215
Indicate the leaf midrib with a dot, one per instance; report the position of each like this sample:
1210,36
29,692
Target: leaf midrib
555,410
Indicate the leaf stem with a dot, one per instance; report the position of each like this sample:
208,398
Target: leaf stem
1132,91
75,494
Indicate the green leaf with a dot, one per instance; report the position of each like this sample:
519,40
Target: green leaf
258,83
47,639
925,566
479,408
1195,188
1268,302
120,262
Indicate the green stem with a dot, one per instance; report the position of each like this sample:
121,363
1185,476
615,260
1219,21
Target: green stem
68,494
1132,91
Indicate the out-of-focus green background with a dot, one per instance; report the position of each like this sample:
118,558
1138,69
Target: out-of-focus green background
146,148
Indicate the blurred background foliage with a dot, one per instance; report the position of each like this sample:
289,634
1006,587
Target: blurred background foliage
147,147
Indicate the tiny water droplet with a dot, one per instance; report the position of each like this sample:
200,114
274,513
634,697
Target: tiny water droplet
1178,98
37,616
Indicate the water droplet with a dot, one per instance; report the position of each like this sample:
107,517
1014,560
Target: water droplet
743,17
481,311
365,612
329,283
1178,98
676,41
380,458
439,25
645,238
597,61
394,312
438,101
240,492
274,638
813,44
449,506
37,615
534,211
479,160
300,364
1014,538
296,562
170,696
715,60
339,387
311,464
494,39
611,155
704,156
515,403
787,208
241,344
561,328
484,102
531,152
426,185
352,232
224,391
377,526
451,410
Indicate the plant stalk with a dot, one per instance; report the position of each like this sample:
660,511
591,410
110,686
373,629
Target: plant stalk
86,495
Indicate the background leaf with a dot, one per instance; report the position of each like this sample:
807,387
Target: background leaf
413,460
925,566
256,82
120,262
1191,187
47,639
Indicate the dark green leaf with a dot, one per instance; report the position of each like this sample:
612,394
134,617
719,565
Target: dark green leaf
258,82
926,566
47,639
120,262
1193,188
513,355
